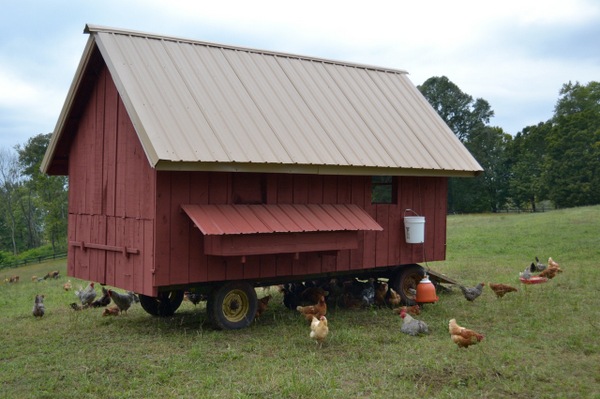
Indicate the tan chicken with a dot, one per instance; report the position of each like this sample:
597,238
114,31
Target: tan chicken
463,337
67,286
393,298
319,330
501,289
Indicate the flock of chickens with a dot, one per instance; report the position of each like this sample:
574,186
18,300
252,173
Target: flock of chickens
382,295
88,298
352,293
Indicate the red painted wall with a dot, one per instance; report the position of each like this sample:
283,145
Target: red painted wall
117,201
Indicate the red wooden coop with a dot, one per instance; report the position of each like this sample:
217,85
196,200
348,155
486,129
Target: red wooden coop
196,165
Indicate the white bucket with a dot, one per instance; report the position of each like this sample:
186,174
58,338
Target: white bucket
414,229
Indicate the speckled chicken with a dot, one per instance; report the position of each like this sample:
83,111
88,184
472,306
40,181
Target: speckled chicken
472,293
38,306
412,326
86,296
123,301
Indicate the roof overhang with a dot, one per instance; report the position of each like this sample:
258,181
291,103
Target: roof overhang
240,230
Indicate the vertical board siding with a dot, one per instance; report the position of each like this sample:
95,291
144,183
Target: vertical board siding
117,199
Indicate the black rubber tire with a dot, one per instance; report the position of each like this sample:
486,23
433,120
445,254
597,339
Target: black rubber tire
165,305
404,278
232,306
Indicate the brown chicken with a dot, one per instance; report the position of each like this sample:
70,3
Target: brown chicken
112,311
501,289
414,310
550,272
317,310
67,286
463,337
319,330
263,304
393,298
381,289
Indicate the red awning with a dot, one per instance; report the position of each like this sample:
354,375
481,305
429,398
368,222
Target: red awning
279,218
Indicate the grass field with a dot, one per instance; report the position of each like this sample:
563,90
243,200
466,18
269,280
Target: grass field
541,342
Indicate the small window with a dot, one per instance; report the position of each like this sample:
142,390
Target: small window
383,190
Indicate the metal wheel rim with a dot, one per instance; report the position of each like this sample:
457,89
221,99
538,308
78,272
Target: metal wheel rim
235,305
410,283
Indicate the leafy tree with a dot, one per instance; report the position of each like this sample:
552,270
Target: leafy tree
10,183
457,109
572,163
525,157
469,119
51,191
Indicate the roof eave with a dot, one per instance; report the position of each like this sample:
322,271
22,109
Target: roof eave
311,169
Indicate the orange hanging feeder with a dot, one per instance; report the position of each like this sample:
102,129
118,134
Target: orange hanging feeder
426,291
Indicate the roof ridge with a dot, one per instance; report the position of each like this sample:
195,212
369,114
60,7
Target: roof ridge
91,28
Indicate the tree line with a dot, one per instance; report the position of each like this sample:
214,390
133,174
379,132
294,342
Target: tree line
556,161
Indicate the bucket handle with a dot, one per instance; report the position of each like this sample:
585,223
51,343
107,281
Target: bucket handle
410,210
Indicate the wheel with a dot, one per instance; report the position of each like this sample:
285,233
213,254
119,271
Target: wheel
405,280
164,305
232,306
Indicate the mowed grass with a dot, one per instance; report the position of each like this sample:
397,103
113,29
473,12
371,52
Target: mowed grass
541,342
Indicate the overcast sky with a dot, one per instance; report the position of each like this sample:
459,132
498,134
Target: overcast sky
514,54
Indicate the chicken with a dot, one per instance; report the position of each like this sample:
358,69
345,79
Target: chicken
312,294
551,272
67,286
262,305
52,274
393,298
501,289
123,301
412,326
193,297
317,310
463,337
472,293
103,301
76,306
552,263
319,330
14,279
537,266
86,296
112,311
38,306
381,290
526,274
414,310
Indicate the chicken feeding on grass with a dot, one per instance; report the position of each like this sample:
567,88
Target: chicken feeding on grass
67,286
86,296
414,310
463,337
501,289
112,311
38,306
53,274
104,300
319,330
472,293
317,310
123,301
537,266
412,326
76,306
551,272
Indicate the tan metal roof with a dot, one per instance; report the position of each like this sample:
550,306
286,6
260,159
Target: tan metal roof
287,218
204,106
